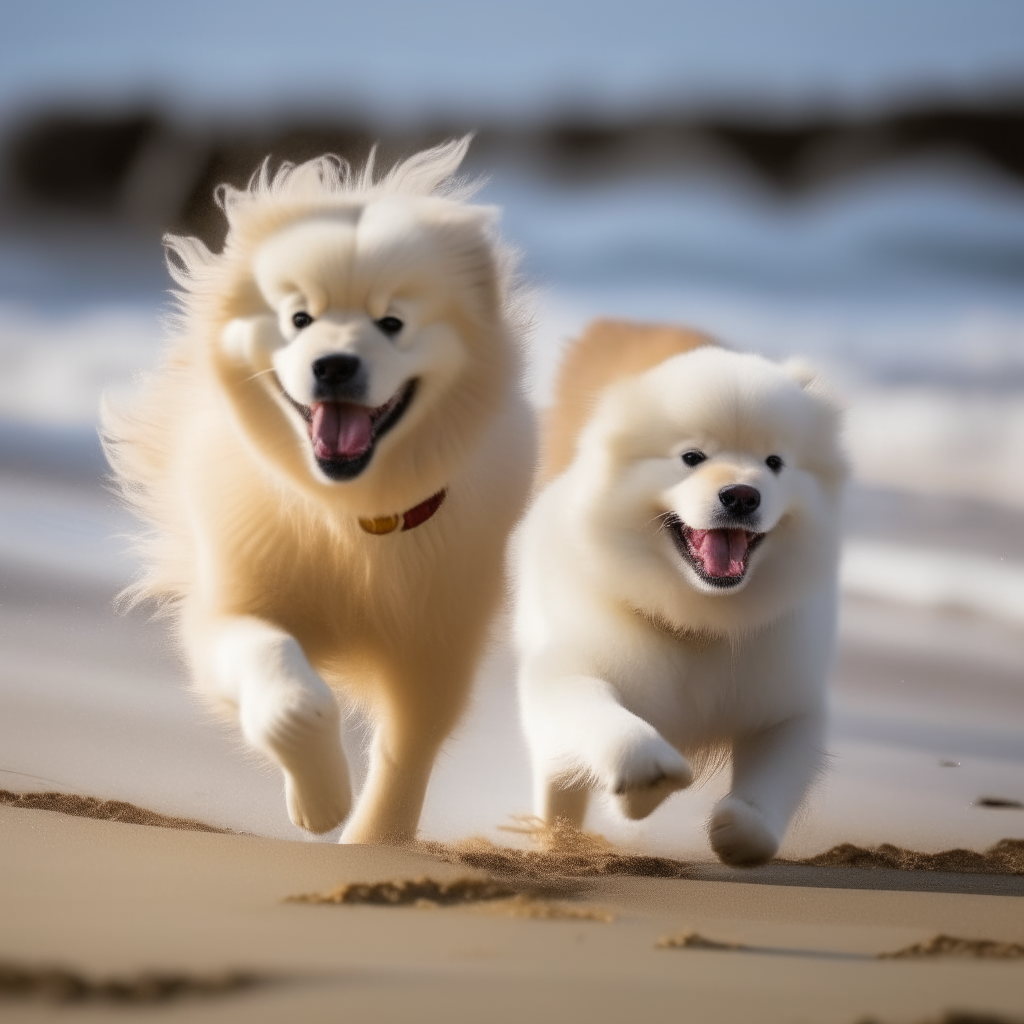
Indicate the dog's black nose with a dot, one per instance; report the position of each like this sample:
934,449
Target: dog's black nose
740,499
337,369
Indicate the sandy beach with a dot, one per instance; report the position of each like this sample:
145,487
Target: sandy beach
114,900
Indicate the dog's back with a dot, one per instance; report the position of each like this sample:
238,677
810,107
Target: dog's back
608,350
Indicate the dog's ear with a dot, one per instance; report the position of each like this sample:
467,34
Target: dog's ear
812,382
800,371
469,237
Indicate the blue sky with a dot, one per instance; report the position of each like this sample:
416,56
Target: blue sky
402,60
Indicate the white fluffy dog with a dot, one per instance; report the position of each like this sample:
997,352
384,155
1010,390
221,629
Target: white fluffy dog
330,461
676,582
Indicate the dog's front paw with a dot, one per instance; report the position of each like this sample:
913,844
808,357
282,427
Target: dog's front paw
647,770
299,727
318,807
740,835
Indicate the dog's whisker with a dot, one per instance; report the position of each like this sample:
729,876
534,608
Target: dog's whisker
259,373
662,518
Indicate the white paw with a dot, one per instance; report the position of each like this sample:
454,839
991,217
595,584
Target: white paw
299,728
740,835
318,806
645,771
636,804
293,722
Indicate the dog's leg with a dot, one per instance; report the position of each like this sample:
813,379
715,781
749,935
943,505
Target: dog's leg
557,800
421,700
388,810
286,711
771,772
576,725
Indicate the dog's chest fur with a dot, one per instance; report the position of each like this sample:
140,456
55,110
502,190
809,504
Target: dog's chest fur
698,689
335,586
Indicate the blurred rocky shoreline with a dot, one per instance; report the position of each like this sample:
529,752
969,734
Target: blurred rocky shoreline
141,166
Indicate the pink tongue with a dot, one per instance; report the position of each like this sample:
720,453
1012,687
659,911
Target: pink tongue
340,431
721,552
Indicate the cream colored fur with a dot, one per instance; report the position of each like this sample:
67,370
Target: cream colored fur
605,352
282,601
633,667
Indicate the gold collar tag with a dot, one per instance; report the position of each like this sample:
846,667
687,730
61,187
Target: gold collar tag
407,520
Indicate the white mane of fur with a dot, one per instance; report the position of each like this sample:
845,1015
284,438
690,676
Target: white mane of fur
321,183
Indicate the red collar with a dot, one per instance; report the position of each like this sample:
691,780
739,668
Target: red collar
407,520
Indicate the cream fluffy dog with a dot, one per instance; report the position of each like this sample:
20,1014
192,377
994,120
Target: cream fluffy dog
330,461
676,582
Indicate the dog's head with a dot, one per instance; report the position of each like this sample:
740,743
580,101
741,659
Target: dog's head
377,325
717,476
380,309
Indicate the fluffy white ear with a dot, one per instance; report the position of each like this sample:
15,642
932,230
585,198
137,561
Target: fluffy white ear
800,371
813,383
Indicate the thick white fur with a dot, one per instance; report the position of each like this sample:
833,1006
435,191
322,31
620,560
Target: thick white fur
281,599
631,664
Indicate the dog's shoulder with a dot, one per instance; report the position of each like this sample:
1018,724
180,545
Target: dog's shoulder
607,351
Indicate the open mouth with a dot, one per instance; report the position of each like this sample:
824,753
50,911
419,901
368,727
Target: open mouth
720,556
344,434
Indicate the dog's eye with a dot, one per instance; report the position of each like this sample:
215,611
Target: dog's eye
774,463
694,458
390,325
301,320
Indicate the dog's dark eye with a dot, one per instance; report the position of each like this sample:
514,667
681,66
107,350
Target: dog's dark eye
693,458
774,463
390,325
301,320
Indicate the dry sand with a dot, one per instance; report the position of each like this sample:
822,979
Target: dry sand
101,916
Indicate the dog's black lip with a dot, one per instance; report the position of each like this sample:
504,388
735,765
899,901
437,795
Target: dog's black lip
349,469
676,528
